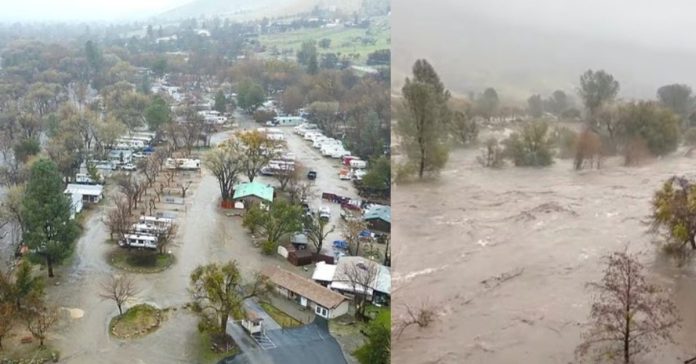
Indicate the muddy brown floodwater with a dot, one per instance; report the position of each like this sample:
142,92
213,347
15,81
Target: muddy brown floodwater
503,257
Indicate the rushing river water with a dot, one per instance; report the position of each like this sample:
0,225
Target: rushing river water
503,256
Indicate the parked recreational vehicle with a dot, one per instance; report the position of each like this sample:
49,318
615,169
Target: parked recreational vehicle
358,164
182,163
139,241
159,222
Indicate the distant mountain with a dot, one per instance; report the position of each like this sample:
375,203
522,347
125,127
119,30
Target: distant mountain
253,9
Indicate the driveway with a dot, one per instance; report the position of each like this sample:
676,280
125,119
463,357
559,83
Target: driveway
308,344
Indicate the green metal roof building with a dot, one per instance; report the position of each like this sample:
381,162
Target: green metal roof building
253,189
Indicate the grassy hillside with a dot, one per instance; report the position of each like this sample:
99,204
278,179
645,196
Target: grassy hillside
343,40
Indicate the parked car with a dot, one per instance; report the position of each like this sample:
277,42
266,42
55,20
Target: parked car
324,213
312,174
128,167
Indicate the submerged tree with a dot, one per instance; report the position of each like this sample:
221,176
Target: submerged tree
674,214
629,316
676,97
424,120
596,89
531,147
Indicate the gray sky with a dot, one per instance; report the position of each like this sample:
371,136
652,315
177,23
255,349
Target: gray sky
39,10
666,23
536,46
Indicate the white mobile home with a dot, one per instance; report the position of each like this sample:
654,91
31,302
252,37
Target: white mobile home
289,120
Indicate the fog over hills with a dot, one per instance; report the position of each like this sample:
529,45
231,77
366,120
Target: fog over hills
538,48
249,9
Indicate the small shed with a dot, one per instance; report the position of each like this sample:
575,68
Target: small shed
300,257
252,323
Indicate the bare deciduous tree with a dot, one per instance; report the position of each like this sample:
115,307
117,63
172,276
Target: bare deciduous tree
118,289
118,219
361,276
39,318
629,315
352,228
165,237
7,316
423,317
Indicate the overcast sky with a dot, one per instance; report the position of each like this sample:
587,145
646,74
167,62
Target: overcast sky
665,23
61,10
535,46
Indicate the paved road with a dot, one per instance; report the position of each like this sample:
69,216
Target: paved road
327,176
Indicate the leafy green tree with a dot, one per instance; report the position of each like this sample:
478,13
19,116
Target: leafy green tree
657,126
159,67
596,89
424,120
273,223
217,293
535,106
463,128
558,103
157,113
673,213
378,175
677,98
48,229
532,146
377,349
325,43
487,104
26,149
250,95
220,102
307,53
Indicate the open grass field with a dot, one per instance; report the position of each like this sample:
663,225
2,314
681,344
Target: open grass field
344,41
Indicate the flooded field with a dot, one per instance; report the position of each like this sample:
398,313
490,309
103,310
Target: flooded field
503,257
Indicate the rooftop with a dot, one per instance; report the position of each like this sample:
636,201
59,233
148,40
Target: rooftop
303,286
378,212
88,190
259,190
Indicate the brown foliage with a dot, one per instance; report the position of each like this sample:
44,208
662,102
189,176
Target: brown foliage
588,150
39,318
635,151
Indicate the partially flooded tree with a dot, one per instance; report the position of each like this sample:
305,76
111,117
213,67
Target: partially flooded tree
596,89
118,219
532,146
258,151
491,155
674,215
7,318
216,291
647,121
317,229
352,230
629,316
225,162
423,121
676,97
118,289
273,223
48,229
588,150
39,318
463,128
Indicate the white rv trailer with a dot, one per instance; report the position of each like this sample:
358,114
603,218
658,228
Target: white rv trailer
139,241
160,222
